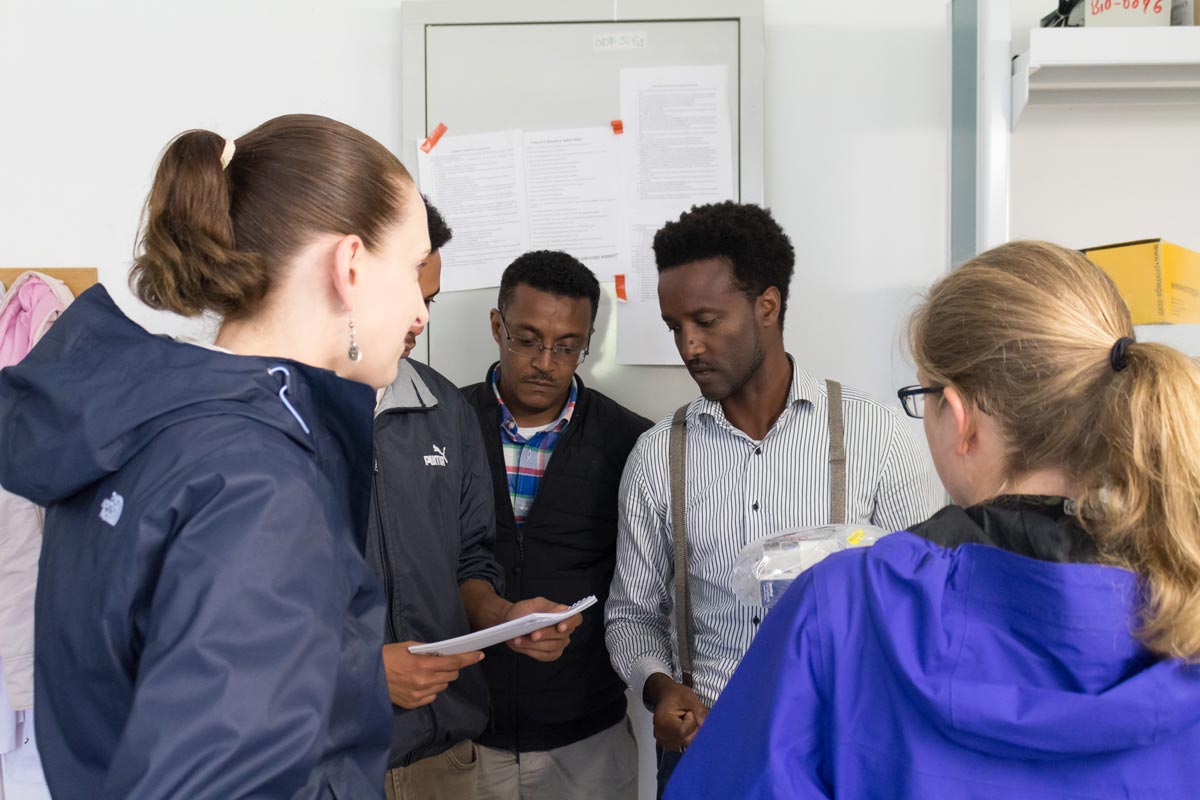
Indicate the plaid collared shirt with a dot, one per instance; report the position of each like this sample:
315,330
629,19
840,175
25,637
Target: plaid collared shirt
526,459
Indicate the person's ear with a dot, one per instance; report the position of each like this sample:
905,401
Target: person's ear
966,436
497,331
767,307
346,268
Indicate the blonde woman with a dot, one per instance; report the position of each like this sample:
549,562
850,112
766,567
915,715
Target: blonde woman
206,626
1035,640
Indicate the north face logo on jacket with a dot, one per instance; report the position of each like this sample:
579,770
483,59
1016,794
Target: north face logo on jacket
110,509
437,460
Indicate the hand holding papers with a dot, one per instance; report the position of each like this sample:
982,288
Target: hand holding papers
416,680
505,631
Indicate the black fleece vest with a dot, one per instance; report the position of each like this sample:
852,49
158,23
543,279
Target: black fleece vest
566,551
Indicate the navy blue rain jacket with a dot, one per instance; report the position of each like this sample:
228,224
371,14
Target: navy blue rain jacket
206,626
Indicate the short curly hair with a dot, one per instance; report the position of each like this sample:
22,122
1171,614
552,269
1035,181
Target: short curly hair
439,232
550,271
758,250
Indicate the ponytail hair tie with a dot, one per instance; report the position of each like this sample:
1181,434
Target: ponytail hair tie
1118,356
227,153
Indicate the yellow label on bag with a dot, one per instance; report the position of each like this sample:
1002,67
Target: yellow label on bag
856,537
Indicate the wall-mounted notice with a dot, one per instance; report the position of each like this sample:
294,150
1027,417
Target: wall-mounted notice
678,135
677,152
573,191
509,192
478,184
642,336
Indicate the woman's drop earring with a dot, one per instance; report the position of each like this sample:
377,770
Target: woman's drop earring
354,353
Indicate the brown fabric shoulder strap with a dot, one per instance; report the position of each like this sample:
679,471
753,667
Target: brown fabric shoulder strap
683,590
837,455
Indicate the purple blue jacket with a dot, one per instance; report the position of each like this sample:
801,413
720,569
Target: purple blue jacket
980,656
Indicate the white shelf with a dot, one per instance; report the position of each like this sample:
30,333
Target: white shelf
1107,65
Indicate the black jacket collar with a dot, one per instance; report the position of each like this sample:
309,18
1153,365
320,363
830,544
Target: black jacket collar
1033,526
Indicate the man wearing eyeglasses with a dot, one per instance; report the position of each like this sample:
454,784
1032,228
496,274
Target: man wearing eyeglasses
556,450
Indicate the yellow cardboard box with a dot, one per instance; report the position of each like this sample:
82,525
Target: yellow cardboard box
1160,281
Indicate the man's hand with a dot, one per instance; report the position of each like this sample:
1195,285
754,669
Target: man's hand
486,609
678,712
415,680
545,644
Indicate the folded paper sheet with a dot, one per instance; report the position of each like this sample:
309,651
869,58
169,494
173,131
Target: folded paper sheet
503,632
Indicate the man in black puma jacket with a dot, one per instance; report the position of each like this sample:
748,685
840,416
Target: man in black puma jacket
429,539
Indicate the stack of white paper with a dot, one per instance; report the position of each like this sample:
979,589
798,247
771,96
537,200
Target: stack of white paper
503,632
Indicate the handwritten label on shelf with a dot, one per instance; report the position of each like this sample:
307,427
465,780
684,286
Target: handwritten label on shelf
624,40
1128,12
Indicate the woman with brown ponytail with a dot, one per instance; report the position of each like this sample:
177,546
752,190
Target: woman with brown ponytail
206,626
1041,638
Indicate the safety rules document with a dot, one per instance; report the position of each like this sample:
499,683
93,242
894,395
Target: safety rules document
503,632
677,152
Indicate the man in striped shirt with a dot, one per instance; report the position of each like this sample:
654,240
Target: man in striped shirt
757,463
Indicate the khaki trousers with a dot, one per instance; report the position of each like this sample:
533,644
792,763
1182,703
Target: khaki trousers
600,767
448,776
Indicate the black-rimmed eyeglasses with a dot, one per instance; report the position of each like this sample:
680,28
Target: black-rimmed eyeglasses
532,348
912,398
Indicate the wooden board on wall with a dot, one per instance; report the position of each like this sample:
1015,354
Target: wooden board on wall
77,279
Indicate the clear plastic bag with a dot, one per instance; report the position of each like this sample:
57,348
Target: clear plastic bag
766,568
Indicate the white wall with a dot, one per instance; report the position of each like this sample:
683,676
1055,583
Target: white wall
1092,175
857,154
856,108
90,93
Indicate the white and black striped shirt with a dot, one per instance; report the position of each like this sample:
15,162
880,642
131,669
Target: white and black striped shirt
738,491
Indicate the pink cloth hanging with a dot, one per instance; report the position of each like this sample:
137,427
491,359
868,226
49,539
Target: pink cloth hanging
28,309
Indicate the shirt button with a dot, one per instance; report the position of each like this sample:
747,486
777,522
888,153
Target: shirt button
755,506
756,620
758,451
